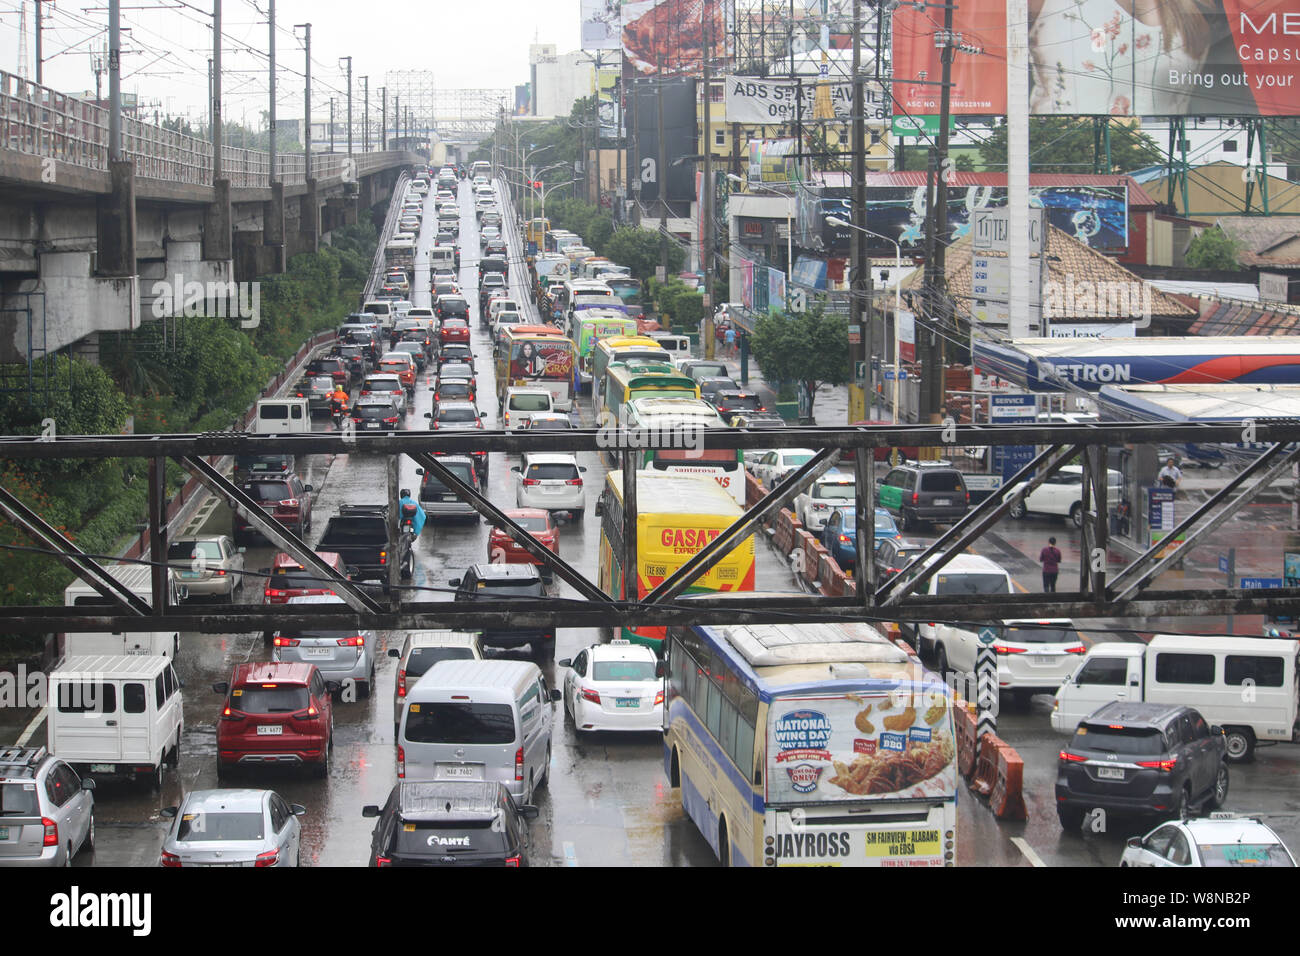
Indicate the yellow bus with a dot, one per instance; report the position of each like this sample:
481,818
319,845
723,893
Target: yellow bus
677,515
536,231
810,745
625,381
622,348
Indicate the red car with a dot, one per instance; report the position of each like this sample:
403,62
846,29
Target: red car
403,368
453,330
275,713
290,579
502,549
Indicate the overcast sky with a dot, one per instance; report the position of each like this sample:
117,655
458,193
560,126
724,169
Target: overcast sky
479,43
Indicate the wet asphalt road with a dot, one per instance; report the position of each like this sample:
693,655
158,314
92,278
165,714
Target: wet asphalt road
608,801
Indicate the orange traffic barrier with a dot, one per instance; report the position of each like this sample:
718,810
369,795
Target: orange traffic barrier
964,723
986,765
1007,801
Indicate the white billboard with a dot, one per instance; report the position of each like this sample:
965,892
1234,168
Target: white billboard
602,24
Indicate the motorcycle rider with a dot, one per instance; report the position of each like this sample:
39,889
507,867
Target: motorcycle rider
338,402
409,507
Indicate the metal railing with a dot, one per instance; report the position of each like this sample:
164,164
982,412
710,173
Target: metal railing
40,121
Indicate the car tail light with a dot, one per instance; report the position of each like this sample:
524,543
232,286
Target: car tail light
659,698
916,497
383,557
574,481
529,482
519,764
1066,757
365,391
383,861
1164,766
228,714
269,858
401,682
272,592
1003,649
356,640
512,861
356,418
401,761
169,859
289,503
391,421
844,539
311,713
591,695
52,828
286,641
1077,649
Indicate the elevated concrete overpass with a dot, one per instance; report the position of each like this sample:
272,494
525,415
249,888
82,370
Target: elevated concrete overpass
83,239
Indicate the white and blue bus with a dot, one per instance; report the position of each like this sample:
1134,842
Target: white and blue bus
821,744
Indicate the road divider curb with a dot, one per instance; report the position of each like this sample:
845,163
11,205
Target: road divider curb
986,765
1007,801
964,723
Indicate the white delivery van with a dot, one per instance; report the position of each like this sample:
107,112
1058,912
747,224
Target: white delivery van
479,720
953,645
114,716
678,346
1246,685
282,416
441,257
382,310
138,579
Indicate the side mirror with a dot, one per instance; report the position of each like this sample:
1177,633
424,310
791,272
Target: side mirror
600,507
308,488
1216,730
169,812
454,582
241,550
555,696
516,468
564,662
582,468
297,809
88,784
528,812
482,414
659,669
394,652
370,810
429,414
419,471
1133,843
221,687
333,686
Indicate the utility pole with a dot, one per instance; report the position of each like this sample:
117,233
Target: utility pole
634,155
365,115
331,124
39,58
216,90
860,316
595,124
661,183
271,128
114,80
397,117
707,187
383,118
349,59
931,398
306,119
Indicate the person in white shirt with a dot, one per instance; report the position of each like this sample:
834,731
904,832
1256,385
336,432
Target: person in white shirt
1171,475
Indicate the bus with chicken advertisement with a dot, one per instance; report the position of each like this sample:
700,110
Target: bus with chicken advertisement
676,516
810,745
537,355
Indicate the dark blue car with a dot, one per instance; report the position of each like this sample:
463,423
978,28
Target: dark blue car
840,534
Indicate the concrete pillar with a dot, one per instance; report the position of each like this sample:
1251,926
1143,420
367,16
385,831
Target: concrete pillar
273,229
115,216
218,241
309,218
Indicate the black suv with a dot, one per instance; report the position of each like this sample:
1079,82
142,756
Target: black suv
1141,758
920,493
495,582
450,823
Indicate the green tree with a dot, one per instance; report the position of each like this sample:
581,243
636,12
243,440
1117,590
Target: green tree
640,251
1213,249
812,348
1064,144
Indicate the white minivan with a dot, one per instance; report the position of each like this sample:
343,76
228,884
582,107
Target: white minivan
479,720
282,416
138,579
1246,685
116,716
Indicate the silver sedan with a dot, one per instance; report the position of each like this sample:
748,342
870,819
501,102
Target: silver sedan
233,828
210,565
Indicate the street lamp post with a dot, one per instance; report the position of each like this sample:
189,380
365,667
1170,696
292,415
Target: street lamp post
528,176
898,295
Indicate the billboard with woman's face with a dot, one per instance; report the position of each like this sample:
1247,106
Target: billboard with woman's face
535,360
1114,57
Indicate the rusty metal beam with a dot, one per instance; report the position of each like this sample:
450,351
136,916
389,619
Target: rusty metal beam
216,483
70,556
521,537
973,524
732,537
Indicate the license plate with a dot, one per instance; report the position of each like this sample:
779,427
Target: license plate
269,730
467,772
942,502
627,701
1044,659
101,768
317,652
450,498
1110,773
190,574
4,833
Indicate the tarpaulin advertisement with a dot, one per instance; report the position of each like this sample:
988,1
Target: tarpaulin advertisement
855,747
602,24
535,360
611,119
668,35
747,284
1191,57
773,160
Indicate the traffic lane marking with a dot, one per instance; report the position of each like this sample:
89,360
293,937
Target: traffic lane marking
1023,846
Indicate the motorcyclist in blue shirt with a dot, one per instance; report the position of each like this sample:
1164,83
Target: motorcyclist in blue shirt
408,506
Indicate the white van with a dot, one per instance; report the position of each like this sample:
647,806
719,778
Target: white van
479,720
382,310
441,257
114,716
138,578
965,574
282,416
678,346
1247,685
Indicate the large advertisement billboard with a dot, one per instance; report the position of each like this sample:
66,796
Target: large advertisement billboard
602,24
1189,57
611,117
1095,215
668,35
677,95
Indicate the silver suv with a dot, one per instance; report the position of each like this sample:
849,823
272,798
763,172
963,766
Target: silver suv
47,812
